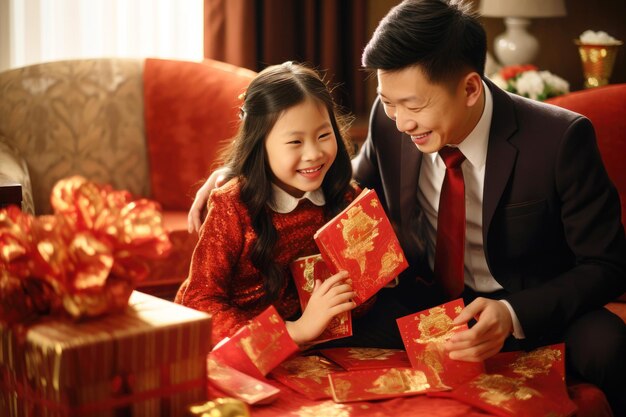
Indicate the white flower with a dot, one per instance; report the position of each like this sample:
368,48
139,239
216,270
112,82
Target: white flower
530,84
528,81
597,38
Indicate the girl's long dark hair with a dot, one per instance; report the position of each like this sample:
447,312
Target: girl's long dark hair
274,90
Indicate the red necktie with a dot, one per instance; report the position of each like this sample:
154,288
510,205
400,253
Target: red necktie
449,253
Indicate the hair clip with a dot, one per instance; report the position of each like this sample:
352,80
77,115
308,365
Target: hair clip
242,96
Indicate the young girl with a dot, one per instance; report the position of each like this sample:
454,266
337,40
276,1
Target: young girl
291,174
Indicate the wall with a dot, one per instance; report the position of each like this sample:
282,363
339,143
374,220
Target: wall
558,53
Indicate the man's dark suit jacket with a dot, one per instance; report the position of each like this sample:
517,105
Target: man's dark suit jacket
551,217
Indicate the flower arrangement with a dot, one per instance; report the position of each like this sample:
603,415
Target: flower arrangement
528,81
82,261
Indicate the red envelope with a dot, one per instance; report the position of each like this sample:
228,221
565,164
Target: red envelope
239,385
424,335
258,347
520,384
376,384
362,241
307,375
305,271
355,359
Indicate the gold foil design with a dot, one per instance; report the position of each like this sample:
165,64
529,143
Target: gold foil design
390,260
365,354
340,388
274,319
359,231
498,389
308,367
433,357
309,273
326,409
259,350
398,381
436,327
538,361
220,407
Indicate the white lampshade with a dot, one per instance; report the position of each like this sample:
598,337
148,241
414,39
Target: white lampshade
522,8
517,45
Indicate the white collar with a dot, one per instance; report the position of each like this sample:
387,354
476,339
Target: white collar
474,146
283,202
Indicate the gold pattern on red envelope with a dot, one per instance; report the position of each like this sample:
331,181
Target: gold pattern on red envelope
326,409
305,271
536,362
373,384
520,384
258,347
307,375
499,389
353,359
424,335
362,241
240,385
267,342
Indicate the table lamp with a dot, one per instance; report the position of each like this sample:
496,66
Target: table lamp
516,45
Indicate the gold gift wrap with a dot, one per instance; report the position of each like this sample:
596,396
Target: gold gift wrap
147,361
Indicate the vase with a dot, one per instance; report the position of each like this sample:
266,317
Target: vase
597,61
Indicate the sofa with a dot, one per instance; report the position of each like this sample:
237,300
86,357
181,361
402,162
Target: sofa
152,127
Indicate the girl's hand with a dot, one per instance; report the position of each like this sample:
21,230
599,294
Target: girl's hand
328,299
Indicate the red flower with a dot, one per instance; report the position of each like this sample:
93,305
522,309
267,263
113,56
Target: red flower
513,71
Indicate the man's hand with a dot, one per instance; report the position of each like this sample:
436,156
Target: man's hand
197,212
493,325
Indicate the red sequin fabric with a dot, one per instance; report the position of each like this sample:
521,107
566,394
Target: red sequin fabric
222,280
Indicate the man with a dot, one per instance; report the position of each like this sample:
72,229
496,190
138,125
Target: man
536,247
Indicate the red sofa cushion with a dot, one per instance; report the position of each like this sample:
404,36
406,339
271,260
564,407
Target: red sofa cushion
606,108
190,110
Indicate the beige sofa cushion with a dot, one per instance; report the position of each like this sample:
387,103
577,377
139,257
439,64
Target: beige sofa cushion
80,117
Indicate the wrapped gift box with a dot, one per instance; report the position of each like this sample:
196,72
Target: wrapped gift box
148,361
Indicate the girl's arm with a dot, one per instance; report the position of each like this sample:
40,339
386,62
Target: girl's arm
217,252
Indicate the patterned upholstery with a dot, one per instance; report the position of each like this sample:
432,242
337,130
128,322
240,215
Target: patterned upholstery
77,117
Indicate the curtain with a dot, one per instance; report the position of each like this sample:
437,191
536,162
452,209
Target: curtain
326,34
33,31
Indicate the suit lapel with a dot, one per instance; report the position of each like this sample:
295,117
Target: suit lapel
501,155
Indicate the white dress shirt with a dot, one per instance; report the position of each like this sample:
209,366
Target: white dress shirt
432,172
